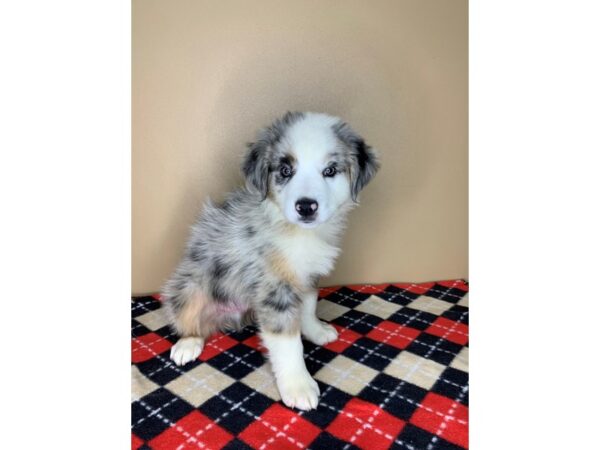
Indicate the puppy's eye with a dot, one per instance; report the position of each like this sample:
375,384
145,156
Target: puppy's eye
329,171
285,171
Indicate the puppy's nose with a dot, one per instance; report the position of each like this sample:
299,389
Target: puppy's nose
306,207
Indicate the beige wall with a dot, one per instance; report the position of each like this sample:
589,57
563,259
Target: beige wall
207,74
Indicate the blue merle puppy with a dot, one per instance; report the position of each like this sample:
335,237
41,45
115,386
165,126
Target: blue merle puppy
258,257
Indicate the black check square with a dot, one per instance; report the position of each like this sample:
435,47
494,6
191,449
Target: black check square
347,297
419,439
142,305
453,383
414,318
237,444
316,357
358,321
238,361
236,407
332,401
373,354
326,441
399,398
155,412
435,348
399,296
145,425
458,313
450,295
161,370
138,329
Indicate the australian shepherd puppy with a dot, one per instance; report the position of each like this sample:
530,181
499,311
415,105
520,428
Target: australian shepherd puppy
257,258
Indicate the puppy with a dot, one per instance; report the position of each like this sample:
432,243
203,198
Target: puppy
258,257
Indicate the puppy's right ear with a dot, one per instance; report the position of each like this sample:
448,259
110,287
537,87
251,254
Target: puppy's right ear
256,167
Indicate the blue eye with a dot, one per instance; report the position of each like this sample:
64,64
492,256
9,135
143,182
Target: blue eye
330,171
285,171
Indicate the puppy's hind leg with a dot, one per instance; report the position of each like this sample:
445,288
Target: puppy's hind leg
186,349
189,318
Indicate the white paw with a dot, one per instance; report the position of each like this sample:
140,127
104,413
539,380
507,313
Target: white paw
299,391
319,333
186,350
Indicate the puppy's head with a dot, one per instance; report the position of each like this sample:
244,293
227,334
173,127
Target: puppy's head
310,165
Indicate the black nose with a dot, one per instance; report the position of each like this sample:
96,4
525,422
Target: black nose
306,207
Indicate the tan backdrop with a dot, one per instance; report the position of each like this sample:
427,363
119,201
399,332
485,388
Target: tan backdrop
207,74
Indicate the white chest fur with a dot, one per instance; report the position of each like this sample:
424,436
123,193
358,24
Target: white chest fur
307,253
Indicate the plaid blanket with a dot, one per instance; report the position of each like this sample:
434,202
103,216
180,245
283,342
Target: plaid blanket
397,378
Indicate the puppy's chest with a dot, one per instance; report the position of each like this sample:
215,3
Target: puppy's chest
308,256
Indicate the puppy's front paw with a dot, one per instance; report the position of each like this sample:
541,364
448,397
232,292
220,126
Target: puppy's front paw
186,350
299,391
319,333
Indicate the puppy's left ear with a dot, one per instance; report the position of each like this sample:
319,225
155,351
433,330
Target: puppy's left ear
364,159
256,167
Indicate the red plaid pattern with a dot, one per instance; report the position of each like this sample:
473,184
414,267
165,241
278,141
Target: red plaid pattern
280,428
345,339
450,330
395,379
147,346
365,425
394,334
451,424
216,345
193,431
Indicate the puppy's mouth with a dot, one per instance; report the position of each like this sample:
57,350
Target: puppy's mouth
308,222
